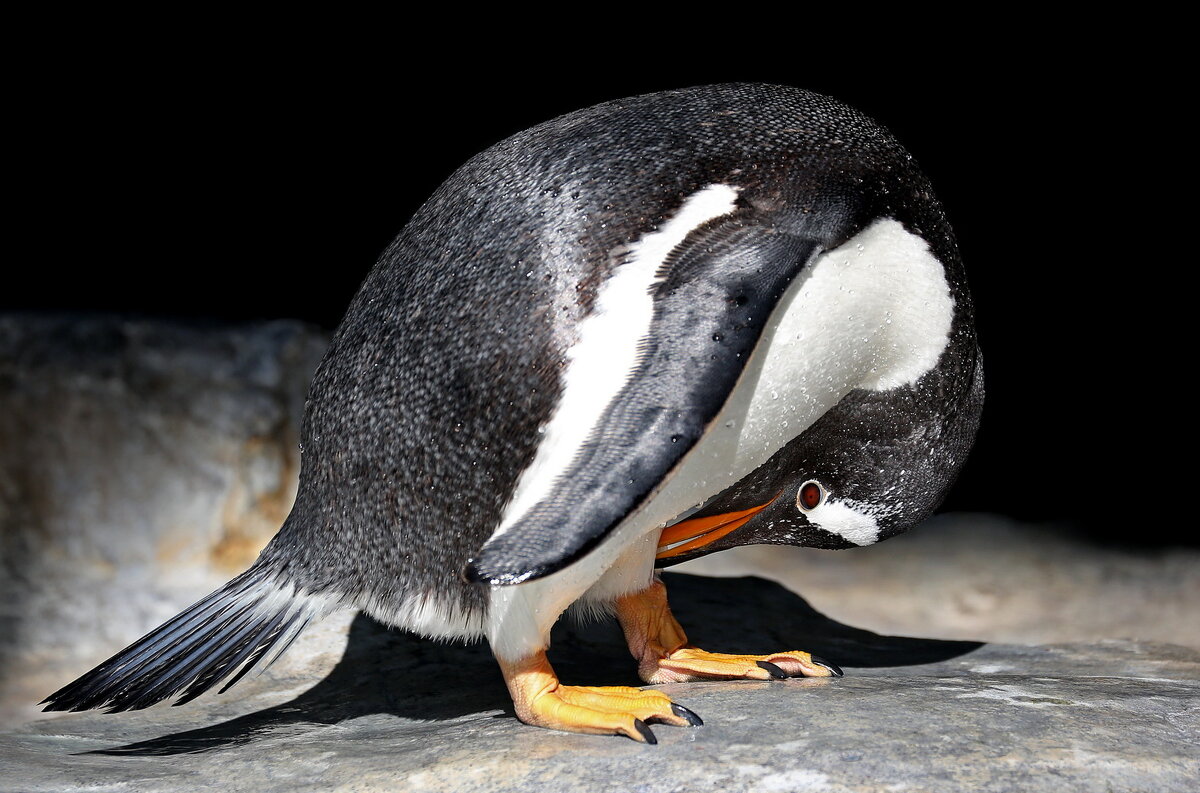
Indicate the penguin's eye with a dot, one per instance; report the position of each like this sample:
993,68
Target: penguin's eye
810,496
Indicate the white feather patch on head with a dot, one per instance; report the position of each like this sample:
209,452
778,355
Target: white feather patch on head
847,519
607,352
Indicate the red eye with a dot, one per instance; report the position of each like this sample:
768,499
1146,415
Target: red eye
810,496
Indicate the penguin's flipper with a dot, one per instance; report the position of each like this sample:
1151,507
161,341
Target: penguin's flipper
705,310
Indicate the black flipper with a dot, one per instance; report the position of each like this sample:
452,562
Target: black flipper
720,287
227,632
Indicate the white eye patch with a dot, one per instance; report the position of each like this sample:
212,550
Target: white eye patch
847,519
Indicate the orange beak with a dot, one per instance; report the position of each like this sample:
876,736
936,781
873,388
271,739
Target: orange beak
688,535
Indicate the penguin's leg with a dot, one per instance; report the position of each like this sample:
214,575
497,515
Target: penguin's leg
540,699
519,622
664,655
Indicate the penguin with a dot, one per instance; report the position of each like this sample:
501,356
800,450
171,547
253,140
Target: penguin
632,335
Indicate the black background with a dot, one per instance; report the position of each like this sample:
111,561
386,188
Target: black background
262,181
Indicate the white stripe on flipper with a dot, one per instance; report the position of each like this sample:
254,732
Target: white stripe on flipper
607,353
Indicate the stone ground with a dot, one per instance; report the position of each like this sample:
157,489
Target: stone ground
399,713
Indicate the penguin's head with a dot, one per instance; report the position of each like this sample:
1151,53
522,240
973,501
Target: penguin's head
867,470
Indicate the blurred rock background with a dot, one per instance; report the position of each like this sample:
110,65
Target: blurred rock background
143,463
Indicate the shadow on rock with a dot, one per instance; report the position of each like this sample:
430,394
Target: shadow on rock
753,615
392,672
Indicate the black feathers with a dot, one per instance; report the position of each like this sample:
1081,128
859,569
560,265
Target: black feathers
229,631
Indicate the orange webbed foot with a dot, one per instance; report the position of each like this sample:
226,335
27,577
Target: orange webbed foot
691,663
664,656
542,701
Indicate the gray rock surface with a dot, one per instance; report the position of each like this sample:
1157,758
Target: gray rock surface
399,713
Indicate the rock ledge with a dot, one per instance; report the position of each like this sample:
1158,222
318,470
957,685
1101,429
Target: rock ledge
394,712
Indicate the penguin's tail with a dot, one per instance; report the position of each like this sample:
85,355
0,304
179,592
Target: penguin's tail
245,624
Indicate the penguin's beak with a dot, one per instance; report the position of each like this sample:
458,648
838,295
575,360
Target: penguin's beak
688,535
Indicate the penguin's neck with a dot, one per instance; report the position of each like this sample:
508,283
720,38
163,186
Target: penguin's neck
875,313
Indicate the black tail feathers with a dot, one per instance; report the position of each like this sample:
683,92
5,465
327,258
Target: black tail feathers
227,632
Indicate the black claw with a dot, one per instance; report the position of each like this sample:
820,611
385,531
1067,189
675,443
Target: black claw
645,731
687,715
834,668
773,670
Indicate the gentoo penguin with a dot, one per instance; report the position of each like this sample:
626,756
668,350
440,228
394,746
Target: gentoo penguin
626,337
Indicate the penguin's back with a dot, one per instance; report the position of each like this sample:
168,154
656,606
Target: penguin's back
427,406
